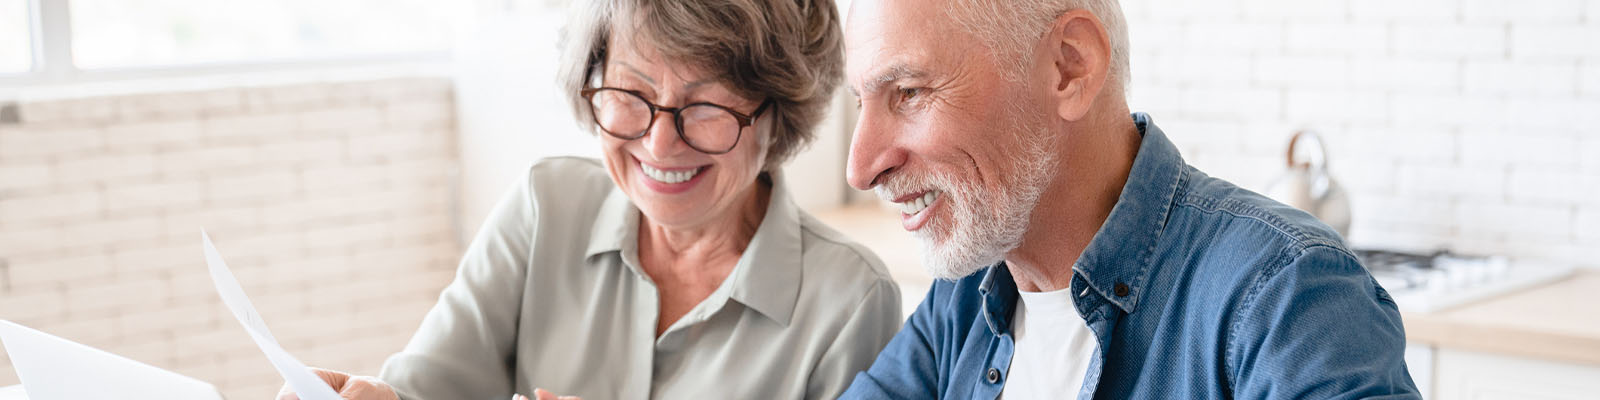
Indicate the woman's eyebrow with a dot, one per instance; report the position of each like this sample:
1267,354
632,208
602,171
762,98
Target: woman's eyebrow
652,82
637,72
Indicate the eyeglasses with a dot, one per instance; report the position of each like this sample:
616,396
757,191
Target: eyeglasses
705,127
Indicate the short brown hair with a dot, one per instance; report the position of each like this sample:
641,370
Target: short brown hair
788,51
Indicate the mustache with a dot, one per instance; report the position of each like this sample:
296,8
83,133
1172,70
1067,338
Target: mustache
904,183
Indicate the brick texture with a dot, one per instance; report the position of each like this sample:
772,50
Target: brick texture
1469,125
330,200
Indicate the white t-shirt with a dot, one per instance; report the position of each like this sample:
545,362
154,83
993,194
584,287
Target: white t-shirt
1054,347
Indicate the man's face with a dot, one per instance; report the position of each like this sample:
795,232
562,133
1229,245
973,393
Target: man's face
961,150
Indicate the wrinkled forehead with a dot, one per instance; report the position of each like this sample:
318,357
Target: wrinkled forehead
884,35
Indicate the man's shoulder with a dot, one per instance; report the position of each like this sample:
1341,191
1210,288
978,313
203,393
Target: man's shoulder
1242,219
1224,236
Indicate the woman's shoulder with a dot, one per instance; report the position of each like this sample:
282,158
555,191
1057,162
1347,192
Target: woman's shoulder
563,188
568,177
568,169
827,248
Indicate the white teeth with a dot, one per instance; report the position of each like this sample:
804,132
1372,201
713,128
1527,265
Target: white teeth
914,206
669,177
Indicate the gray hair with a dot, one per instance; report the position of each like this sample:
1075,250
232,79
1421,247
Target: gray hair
1010,28
788,51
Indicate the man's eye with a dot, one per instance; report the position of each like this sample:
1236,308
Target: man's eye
907,97
909,93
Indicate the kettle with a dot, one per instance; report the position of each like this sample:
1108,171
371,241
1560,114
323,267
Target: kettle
1308,186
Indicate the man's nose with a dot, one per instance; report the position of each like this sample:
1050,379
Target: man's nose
873,152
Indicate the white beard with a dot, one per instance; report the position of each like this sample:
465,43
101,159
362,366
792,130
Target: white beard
984,226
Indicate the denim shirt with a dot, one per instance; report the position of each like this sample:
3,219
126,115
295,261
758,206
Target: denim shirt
1194,288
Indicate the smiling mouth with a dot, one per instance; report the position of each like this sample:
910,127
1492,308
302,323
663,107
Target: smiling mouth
916,204
670,177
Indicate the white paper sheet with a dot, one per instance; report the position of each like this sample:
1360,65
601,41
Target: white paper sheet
53,368
300,379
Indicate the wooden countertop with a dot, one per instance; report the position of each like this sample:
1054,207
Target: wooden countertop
1559,321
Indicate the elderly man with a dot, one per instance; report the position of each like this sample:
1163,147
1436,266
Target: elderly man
1078,252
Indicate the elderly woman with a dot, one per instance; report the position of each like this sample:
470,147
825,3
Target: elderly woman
677,266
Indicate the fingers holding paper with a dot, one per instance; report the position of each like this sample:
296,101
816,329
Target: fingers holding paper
350,387
541,394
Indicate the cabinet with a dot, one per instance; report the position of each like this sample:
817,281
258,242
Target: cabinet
1470,375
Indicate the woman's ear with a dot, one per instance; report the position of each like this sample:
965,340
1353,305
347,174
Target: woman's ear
1077,53
765,126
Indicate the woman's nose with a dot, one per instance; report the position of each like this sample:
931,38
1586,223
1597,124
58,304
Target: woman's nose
662,141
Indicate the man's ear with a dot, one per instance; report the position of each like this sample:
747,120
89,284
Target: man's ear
1078,55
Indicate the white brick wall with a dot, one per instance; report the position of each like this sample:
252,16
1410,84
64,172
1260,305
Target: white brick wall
330,200
1471,125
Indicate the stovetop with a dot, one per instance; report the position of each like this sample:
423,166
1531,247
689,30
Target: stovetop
1441,280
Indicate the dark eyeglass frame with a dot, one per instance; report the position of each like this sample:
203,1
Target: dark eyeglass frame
744,120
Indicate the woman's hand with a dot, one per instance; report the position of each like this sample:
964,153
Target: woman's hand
349,387
541,394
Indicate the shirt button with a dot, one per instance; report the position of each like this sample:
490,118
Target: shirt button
1121,289
993,375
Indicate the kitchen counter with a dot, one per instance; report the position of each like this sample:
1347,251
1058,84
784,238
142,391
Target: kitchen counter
1559,321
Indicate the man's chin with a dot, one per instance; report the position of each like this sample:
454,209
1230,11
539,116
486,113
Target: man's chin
943,264
951,272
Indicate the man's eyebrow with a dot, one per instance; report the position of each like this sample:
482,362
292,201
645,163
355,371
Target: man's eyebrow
887,75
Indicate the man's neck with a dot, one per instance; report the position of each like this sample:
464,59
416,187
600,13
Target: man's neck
1095,162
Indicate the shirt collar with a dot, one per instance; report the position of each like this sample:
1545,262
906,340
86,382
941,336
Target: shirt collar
1122,250
766,277
615,227
999,293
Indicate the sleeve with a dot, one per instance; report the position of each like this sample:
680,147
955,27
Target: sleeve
465,347
907,367
1321,328
863,336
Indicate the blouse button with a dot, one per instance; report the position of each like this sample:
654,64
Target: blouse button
993,375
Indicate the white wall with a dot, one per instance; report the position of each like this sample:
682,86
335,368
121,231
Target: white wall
1462,124
509,108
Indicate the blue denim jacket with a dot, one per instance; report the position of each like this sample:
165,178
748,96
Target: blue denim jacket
1195,288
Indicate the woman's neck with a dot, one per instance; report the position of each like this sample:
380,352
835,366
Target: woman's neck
721,237
688,264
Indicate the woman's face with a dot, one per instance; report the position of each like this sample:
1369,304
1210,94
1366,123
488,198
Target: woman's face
672,183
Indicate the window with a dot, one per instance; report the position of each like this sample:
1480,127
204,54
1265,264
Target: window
16,53
145,33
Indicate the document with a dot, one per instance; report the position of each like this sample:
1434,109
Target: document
53,368
300,379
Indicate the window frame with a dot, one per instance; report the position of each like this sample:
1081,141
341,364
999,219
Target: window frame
51,44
